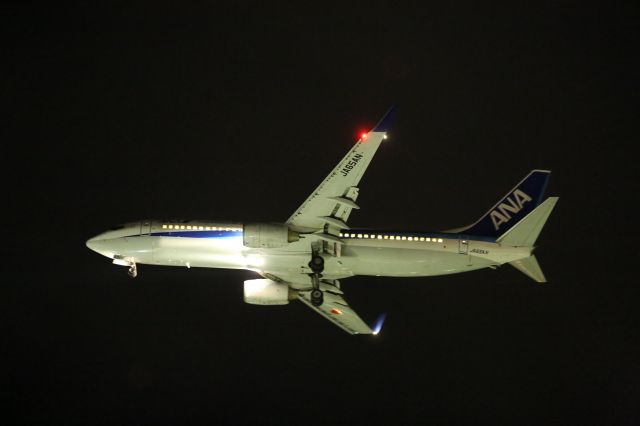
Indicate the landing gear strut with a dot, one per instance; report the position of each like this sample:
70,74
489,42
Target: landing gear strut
317,297
133,270
317,266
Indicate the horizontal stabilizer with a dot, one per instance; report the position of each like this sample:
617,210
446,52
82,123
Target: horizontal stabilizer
525,233
530,267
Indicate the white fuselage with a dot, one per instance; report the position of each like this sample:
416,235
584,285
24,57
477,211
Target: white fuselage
371,252
306,256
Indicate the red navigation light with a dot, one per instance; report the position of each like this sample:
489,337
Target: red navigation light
363,136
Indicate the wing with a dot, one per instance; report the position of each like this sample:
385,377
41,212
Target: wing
332,201
336,310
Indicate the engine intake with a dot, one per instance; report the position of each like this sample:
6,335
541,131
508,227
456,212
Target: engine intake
268,235
267,292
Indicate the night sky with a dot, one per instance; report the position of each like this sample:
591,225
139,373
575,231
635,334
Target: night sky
137,110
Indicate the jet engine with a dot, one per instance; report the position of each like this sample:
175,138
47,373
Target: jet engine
268,235
267,292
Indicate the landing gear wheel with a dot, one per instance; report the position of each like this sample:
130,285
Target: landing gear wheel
317,297
133,271
316,264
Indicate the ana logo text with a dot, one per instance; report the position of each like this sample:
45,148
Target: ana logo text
512,204
351,164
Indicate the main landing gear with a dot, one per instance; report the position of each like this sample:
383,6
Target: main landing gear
317,297
317,266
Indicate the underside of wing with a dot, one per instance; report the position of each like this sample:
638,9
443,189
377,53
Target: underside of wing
322,216
336,310
329,206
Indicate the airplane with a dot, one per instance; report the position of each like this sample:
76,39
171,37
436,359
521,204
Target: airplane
305,257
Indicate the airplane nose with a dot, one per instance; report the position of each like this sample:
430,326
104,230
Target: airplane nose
93,244
100,245
123,241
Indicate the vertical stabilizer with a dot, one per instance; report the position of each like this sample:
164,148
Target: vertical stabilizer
530,267
519,202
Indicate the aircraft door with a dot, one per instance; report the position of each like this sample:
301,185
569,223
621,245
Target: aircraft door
145,227
463,245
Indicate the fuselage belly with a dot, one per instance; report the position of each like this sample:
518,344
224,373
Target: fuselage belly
373,258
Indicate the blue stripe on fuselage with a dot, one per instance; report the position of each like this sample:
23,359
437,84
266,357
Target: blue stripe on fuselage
198,234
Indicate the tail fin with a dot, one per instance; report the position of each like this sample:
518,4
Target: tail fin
517,204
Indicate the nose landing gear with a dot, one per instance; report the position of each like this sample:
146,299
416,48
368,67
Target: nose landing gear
133,270
127,261
317,266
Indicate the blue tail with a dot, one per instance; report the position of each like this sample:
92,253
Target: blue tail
518,203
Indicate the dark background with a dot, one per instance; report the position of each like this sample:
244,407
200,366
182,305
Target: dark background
133,110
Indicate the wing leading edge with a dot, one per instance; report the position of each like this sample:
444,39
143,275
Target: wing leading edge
326,211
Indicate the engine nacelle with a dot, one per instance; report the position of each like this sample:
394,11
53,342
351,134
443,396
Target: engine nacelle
267,292
268,235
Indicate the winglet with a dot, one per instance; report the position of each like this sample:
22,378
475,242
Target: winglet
377,326
385,122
